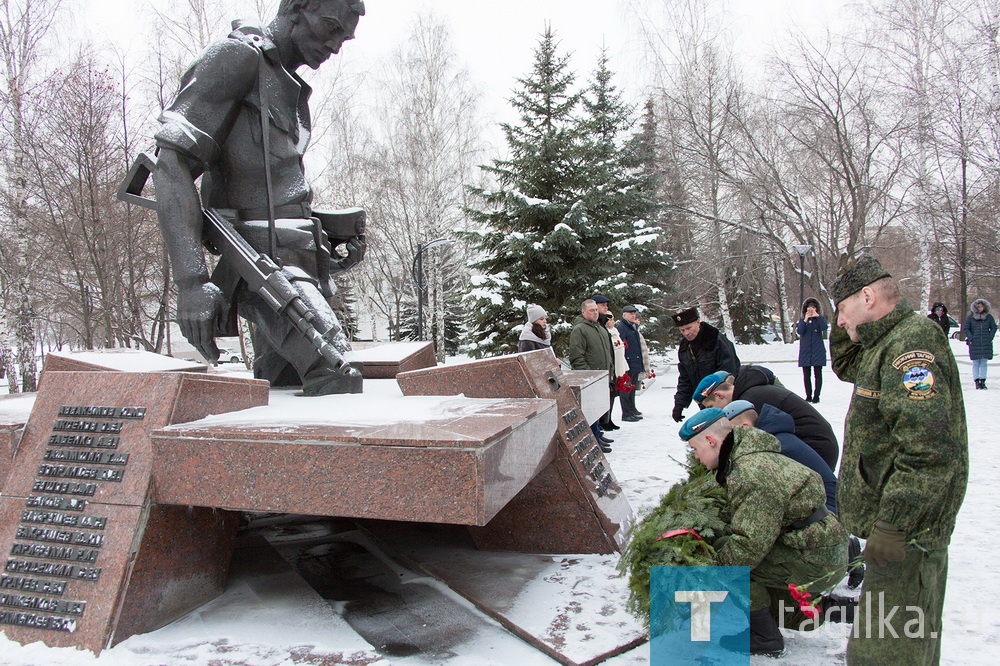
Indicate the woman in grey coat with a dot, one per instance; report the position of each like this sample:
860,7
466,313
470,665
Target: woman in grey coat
535,333
980,327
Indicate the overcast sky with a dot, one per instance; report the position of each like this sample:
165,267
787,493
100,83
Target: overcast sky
495,40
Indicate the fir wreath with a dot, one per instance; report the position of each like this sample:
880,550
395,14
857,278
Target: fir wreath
681,531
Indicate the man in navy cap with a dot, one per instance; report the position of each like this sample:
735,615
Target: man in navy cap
628,329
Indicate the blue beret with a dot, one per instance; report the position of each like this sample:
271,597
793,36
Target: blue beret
737,407
708,384
700,421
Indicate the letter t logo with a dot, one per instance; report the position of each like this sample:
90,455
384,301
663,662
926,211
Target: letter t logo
701,610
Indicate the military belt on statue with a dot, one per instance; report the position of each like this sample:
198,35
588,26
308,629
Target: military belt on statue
259,271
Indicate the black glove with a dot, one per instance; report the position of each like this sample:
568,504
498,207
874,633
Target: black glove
885,544
678,413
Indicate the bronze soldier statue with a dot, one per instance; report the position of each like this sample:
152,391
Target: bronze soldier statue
240,122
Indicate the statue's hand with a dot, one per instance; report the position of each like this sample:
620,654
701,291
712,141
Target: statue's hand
355,253
199,309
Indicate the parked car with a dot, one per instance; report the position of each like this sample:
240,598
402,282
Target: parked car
227,355
956,328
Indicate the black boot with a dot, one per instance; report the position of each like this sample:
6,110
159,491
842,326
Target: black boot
763,635
856,563
839,609
982,383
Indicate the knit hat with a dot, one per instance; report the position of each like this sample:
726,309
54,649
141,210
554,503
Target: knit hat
685,317
857,275
598,298
630,308
737,407
535,312
699,422
709,384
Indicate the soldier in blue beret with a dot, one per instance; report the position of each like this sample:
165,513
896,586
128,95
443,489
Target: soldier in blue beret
781,527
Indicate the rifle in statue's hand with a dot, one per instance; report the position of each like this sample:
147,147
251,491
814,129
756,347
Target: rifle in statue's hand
259,271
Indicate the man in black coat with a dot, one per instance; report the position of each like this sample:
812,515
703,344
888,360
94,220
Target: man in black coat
703,350
756,384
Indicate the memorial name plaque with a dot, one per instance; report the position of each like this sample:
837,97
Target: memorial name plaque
77,510
40,546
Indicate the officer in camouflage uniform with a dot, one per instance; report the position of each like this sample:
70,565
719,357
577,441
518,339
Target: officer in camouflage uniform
905,464
781,527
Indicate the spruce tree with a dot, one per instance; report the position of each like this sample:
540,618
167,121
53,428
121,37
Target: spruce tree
534,242
620,196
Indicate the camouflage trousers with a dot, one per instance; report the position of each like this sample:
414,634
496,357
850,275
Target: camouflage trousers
898,619
820,568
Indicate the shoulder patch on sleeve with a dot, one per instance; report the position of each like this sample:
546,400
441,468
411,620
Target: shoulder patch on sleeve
918,378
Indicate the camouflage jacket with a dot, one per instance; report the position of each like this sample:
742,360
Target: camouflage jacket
906,454
767,493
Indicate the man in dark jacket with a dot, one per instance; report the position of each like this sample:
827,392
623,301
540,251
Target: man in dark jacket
628,329
775,422
906,463
590,349
756,384
703,350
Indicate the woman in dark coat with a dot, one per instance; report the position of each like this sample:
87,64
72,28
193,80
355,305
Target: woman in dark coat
939,315
535,333
812,349
980,327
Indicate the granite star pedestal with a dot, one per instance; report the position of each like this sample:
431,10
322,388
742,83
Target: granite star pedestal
575,504
120,511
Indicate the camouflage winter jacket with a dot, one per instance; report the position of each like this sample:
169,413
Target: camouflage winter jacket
767,493
906,455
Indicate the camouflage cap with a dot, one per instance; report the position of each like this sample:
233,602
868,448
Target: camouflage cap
699,422
857,274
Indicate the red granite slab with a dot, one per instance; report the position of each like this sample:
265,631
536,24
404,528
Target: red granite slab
10,435
79,495
384,360
117,360
460,470
191,547
575,504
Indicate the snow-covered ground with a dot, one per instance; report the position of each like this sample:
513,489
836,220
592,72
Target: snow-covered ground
645,461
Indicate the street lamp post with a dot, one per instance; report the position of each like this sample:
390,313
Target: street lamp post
417,271
802,250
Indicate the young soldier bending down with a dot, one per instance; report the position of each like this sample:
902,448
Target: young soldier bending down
781,527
